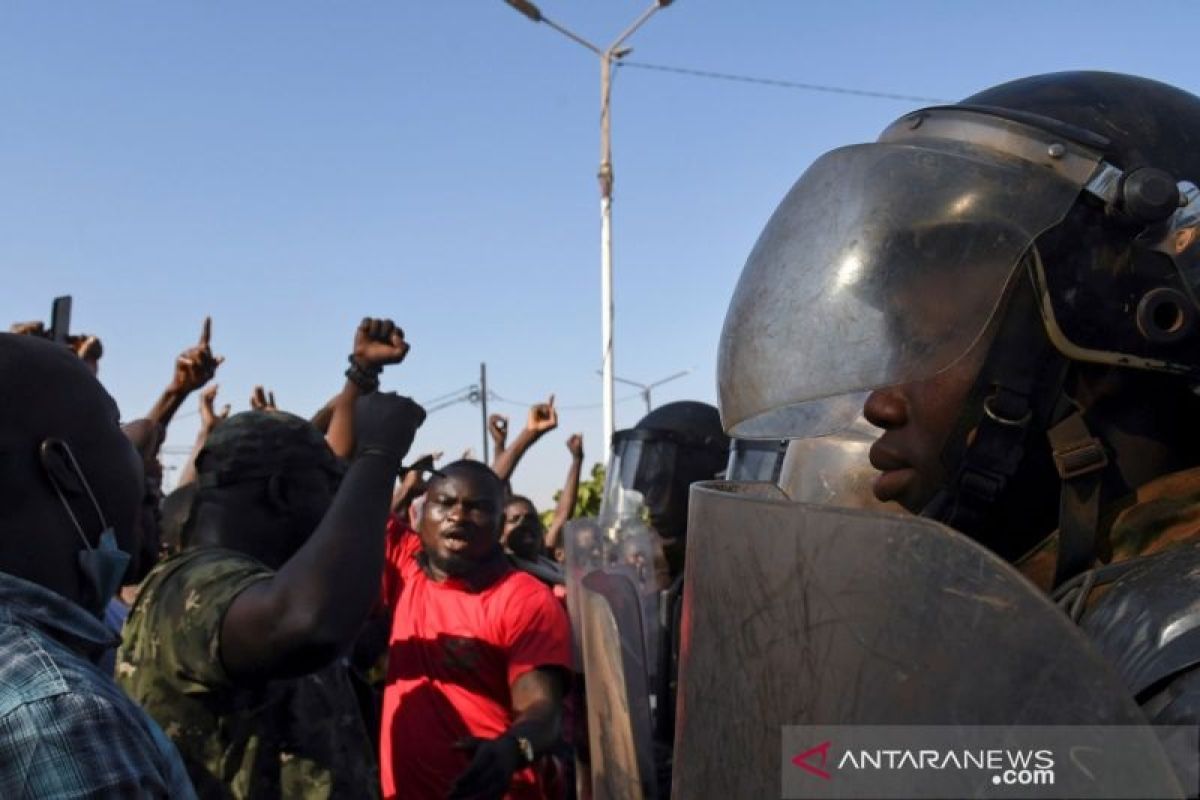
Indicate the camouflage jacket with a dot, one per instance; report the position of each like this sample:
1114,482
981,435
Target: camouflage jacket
297,738
1160,514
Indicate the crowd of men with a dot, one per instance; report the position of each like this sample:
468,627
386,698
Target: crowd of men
1007,288
307,614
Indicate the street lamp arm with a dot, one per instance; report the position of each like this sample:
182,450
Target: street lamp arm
534,14
637,23
669,379
567,32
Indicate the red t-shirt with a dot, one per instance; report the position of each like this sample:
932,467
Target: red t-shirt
452,656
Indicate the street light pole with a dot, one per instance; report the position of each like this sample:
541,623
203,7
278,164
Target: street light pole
646,387
612,53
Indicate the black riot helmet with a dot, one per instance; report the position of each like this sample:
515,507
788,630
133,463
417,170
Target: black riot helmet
1050,223
671,448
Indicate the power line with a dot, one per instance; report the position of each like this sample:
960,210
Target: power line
448,395
579,407
808,87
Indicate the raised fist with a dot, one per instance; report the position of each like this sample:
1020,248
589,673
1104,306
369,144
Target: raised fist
378,342
575,445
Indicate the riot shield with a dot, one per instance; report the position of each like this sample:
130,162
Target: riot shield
799,614
617,682
612,605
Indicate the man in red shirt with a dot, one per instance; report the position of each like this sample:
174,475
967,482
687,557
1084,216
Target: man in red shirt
479,652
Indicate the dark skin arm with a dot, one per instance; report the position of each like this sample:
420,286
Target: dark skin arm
568,496
322,418
542,419
193,368
209,419
377,343
413,484
314,606
537,711
498,428
300,618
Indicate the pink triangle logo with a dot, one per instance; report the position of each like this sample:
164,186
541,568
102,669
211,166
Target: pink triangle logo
802,760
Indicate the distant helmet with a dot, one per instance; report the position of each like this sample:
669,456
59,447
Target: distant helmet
671,448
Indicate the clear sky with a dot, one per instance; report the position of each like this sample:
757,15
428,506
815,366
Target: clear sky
289,167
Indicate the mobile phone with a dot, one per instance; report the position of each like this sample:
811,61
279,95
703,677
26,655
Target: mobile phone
60,319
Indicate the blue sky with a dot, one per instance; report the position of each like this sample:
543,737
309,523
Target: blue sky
289,167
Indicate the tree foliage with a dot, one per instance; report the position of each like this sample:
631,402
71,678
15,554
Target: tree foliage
587,503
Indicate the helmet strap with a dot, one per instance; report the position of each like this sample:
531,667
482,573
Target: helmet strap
1080,459
1017,389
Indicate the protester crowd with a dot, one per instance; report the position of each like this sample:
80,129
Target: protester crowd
314,613
309,613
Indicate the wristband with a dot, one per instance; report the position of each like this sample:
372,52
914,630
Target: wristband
365,378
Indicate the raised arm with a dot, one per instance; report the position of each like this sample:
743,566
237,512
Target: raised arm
413,484
498,428
542,419
377,343
568,496
193,368
209,419
314,606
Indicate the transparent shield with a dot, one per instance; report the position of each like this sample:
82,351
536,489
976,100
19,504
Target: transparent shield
882,265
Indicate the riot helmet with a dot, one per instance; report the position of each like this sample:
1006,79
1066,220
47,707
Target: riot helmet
656,461
1037,226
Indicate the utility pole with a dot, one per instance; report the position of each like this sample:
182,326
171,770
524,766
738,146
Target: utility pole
613,52
483,395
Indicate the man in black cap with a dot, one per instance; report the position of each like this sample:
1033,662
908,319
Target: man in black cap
234,644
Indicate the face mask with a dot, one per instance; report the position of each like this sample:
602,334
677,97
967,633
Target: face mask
103,567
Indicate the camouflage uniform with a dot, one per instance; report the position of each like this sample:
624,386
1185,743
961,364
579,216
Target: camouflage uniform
297,738
1162,513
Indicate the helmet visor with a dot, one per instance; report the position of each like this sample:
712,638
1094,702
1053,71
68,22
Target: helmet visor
882,265
755,460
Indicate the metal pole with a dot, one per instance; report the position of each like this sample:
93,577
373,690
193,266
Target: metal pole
483,394
605,177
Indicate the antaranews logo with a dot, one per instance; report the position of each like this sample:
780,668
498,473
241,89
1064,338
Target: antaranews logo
1008,767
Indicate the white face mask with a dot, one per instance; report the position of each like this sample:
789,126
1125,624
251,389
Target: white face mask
103,567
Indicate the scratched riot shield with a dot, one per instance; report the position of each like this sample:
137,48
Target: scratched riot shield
798,614
611,600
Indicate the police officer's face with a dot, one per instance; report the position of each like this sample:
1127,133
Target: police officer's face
460,522
917,418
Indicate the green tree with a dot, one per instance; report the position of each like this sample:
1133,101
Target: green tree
587,502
